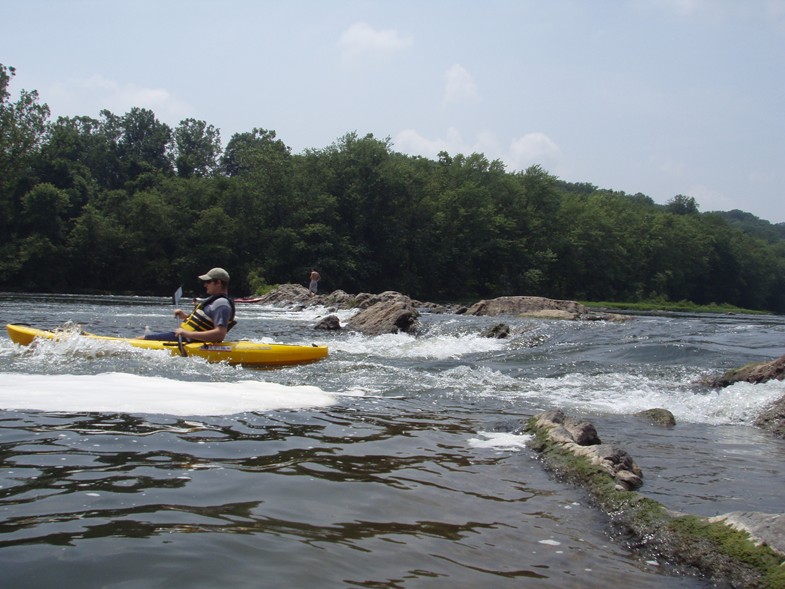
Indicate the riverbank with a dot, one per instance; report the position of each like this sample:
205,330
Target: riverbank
670,307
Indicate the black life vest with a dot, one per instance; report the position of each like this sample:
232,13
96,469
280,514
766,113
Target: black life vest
198,320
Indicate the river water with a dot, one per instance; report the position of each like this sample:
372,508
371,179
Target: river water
397,462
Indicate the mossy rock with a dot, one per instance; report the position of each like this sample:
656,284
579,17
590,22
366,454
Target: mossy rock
683,543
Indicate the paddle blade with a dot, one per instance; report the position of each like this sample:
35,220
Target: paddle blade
177,295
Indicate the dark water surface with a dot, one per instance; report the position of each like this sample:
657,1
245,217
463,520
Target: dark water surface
398,462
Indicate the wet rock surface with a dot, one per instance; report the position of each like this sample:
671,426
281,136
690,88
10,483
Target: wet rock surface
772,419
755,372
661,417
391,316
329,323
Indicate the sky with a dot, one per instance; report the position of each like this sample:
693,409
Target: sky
659,97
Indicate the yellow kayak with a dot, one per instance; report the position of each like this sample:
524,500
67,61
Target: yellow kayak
247,353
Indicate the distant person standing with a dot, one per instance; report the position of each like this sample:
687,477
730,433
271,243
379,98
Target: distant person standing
315,278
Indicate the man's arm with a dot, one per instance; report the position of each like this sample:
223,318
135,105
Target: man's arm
216,334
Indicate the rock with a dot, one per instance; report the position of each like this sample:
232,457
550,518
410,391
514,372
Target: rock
628,480
390,316
286,294
538,307
329,323
498,331
740,549
658,416
337,299
772,419
763,528
755,372
617,460
580,438
583,432
526,306
297,296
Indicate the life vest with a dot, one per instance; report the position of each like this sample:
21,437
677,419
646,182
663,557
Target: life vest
198,320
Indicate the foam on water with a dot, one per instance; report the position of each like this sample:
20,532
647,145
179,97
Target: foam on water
305,315
500,441
622,394
401,345
128,393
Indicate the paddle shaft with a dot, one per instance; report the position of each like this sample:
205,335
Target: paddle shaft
176,298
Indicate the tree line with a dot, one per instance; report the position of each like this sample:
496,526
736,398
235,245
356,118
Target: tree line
128,204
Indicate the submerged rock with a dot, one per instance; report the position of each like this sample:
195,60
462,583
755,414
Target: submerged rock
329,323
772,419
658,416
498,331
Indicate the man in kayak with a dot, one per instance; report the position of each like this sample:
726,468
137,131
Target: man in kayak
211,319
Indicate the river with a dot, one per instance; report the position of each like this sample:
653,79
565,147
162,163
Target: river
397,462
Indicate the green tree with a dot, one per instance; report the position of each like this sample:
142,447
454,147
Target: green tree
22,130
95,244
197,147
151,243
145,144
259,198
70,157
42,252
682,205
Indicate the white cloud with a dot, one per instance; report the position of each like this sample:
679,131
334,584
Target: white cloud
103,93
528,150
411,142
709,199
532,148
362,39
459,86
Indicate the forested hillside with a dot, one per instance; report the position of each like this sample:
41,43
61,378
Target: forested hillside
127,204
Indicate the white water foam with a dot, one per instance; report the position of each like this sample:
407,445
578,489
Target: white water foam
500,441
296,315
128,393
622,394
401,345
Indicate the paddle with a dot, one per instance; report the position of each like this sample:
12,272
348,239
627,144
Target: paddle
176,299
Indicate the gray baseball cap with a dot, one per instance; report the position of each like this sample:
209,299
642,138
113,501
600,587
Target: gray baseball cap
216,274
